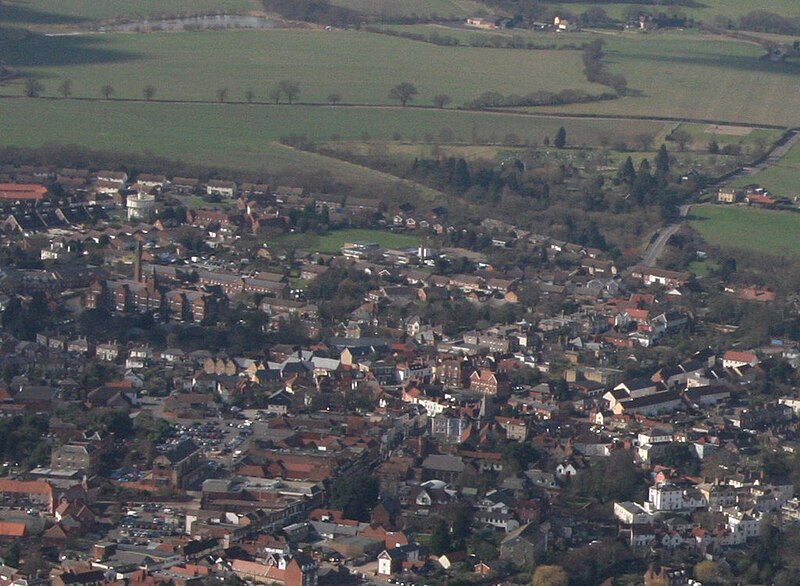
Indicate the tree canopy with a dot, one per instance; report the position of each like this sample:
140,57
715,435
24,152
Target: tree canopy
403,92
550,576
560,140
440,538
355,495
290,89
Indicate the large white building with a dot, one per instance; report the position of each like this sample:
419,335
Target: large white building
666,497
141,206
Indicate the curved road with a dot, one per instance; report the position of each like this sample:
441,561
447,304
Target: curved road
662,236
657,244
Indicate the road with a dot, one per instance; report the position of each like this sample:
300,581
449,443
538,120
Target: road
774,157
659,241
660,238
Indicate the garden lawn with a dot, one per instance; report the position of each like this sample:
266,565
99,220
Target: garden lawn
332,242
761,231
702,268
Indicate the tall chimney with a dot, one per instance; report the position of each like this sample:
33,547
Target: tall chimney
137,263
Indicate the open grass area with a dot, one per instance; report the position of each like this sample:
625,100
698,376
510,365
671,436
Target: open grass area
226,137
702,134
243,136
410,151
332,242
702,268
761,231
782,178
689,76
38,11
195,65
76,12
465,35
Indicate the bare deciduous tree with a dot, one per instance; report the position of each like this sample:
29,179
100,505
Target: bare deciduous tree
33,87
403,92
65,88
441,100
290,89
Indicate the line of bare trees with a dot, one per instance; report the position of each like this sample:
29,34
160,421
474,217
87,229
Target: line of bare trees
403,92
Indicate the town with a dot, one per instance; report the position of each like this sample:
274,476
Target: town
187,400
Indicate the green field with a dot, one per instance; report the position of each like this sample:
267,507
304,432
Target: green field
421,8
782,178
38,11
77,12
762,231
410,151
239,135
193,66
688,76
702,134
332,242
465,35
704,10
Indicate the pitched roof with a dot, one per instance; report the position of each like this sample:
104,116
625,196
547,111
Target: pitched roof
11,529
443,462
182,451
25,487
17,191
738,356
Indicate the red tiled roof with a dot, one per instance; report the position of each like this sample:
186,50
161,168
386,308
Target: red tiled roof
21,486
256,569
16,191
10,529
736,356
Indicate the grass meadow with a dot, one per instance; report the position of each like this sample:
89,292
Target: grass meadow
684,75
242,136
409,8
410,151
466,35
782,178
704,10
39,11
703,134
194,65
761,231
76,12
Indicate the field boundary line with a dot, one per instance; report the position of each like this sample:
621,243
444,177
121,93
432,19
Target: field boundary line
466,111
